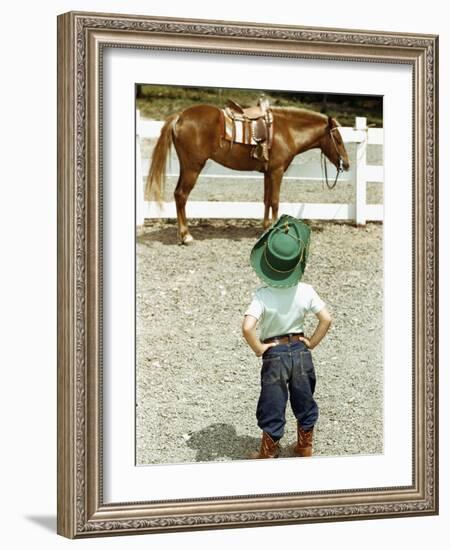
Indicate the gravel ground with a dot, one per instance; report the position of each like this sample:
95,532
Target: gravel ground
198,382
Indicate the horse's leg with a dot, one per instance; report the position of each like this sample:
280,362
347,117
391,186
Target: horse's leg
275,184
186,182
267,200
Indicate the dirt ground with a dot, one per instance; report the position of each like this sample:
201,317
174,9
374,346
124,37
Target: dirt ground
197,380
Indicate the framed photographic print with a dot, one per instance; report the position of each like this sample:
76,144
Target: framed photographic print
184,145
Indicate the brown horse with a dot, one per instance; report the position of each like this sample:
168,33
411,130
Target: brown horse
197,134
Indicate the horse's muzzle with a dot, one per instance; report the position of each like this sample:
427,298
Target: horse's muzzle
343,166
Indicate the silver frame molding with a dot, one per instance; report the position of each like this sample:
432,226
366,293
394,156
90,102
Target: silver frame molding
81,37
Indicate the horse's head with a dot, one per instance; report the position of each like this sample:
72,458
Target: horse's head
333,146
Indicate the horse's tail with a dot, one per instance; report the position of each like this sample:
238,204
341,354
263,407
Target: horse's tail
157,174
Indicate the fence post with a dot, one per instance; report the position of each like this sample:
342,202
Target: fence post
140,208
361,173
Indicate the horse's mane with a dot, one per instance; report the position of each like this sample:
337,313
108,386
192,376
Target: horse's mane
299,111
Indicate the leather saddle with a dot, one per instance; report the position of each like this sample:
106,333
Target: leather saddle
256,124
253,113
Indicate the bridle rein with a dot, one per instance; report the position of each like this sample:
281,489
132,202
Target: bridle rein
324,161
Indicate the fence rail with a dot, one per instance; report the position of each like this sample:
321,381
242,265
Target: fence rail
360,212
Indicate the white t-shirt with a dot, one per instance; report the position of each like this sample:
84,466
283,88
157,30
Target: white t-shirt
282,310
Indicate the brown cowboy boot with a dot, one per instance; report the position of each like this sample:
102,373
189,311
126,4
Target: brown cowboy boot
269,448
304,442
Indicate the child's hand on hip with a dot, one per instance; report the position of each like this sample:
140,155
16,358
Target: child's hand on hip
306,341
263,348
322,328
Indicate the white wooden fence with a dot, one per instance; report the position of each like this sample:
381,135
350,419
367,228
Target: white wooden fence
359,211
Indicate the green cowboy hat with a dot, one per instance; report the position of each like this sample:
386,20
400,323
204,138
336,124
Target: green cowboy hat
280,254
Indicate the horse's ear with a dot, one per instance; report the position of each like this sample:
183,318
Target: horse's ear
331,123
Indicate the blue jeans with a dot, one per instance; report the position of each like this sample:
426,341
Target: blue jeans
287,371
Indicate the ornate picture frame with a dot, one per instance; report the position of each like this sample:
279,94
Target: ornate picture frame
82,38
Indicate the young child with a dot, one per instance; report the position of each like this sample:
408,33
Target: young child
279,259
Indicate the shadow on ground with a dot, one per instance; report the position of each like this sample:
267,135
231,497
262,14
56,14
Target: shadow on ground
46,522
167,234
165,231
220,441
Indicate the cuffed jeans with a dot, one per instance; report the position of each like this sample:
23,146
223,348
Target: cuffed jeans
287,371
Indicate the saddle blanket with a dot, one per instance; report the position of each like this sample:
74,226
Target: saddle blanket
243,131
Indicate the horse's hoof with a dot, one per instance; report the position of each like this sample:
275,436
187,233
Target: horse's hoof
187,239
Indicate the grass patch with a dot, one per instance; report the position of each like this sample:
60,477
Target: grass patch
158,102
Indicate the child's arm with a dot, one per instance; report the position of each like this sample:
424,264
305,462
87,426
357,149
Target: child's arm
249,333
321,329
